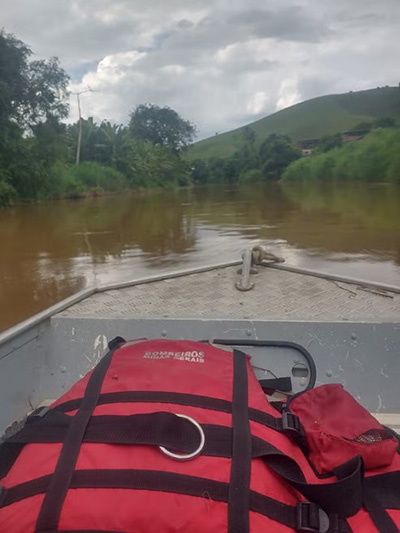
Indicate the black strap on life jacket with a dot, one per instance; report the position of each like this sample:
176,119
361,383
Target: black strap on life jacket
49,425
276,384
291,427
153,429
50,511
303,517
239,486
167,430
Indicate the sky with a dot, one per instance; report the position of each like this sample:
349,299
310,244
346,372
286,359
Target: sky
219,63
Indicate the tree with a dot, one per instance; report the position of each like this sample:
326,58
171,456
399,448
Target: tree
92,141
364,126
115,138
329,142
156,166
253,175
385,122
46,93
200,171
249,136
14,56
276,153
33,99
30,92
247,156
162,126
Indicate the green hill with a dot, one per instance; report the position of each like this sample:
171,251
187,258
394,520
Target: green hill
312,119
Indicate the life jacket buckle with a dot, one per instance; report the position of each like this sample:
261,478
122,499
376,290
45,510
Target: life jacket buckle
310,518
38,414
291,425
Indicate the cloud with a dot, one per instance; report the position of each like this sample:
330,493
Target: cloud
220,63
288,94
258,103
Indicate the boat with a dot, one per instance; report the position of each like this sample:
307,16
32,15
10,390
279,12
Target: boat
314,327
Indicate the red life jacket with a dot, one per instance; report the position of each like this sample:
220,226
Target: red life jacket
99,460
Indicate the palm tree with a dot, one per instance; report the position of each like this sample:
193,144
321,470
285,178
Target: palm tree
152,165
115,137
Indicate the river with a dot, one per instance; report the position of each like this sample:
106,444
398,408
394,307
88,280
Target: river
52,250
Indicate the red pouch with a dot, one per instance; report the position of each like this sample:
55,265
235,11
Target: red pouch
338,428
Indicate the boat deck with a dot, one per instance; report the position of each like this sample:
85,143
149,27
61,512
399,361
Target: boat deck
277,295
351,330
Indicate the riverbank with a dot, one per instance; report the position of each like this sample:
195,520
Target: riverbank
88,180
92,195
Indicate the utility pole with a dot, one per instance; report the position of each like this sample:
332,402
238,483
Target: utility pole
78,148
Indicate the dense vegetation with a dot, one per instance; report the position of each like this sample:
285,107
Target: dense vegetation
312,119
375,158
373,154
38,152
252,163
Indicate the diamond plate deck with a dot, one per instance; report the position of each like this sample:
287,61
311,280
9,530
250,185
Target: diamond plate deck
278,295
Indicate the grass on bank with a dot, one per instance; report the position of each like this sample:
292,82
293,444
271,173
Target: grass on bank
70,181
374,159
86,179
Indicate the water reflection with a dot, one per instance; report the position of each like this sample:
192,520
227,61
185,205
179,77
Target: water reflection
52,250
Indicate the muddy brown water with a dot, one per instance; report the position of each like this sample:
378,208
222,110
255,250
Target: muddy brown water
52,250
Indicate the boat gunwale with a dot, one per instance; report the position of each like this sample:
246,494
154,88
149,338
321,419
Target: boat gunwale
40,317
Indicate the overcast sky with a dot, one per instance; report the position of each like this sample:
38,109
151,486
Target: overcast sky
220,63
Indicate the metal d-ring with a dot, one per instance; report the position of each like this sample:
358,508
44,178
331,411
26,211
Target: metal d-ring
188,456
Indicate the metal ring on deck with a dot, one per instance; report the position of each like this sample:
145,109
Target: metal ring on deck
188,456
